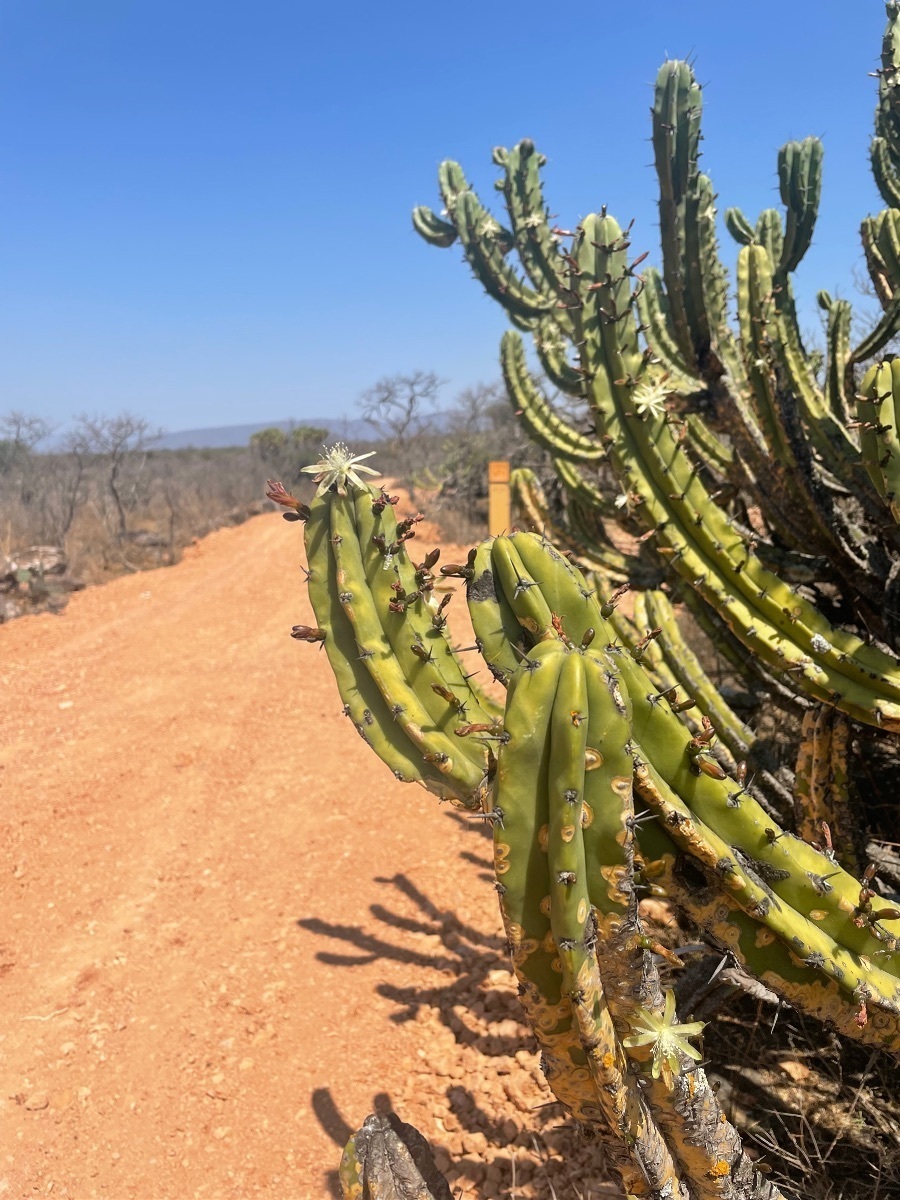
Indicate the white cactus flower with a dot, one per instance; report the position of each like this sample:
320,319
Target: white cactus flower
337,467
552,344
650,398
669,1041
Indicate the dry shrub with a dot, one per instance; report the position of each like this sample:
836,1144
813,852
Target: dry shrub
114,504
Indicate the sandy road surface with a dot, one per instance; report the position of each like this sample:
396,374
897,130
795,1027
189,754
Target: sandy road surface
226,932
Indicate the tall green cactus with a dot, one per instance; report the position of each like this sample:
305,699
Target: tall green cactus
762,475
758,481
585,753
799,446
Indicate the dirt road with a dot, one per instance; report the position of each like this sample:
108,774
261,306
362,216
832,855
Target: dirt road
228,934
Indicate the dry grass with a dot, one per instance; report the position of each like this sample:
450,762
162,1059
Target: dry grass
168,500
824,1112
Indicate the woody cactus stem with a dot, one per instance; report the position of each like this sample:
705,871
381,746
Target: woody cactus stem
824,809
387,1159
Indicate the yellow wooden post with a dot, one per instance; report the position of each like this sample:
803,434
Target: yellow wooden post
499,518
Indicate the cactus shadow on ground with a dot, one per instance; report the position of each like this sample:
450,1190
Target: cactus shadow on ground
464,954
493,1125
479,1098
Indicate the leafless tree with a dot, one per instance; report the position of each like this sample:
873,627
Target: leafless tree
23,432
64,486
480,425
480,409
401,407
20,433
119,440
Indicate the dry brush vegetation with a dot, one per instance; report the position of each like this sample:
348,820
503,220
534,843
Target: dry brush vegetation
105,500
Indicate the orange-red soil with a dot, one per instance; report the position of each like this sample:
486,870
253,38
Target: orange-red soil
228,934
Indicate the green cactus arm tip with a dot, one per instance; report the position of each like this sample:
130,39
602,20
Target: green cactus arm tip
363,702
880,236
800,178
770,235
739,227
432,228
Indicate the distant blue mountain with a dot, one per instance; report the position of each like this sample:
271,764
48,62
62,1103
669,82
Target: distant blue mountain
219,437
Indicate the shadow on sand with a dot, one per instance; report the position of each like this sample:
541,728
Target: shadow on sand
436,940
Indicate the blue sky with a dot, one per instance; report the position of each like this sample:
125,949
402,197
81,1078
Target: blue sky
204,207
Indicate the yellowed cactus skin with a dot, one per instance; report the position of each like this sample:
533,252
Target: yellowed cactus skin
770,960
520,821
350,1172
822,806
580,750
849,990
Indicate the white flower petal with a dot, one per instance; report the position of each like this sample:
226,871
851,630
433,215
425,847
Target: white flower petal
337,467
